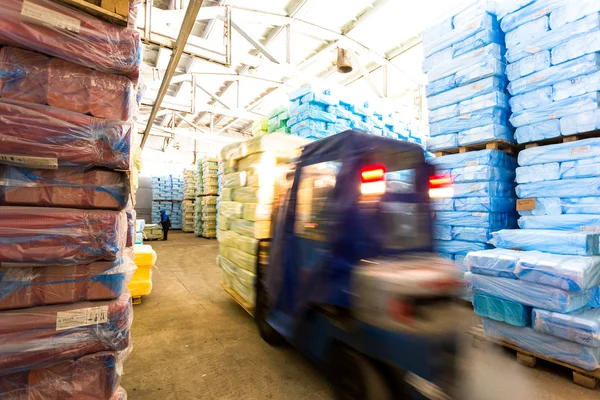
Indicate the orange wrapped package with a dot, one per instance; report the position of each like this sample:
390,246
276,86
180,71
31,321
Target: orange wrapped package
23,75
68,85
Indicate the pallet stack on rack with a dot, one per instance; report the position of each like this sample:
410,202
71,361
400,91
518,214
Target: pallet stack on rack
167,195
66,223
206,202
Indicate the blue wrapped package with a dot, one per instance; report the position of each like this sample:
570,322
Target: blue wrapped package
458,246
533,99
470,234
565,222
585,168
501,310
581,205
443,113
312,114
527,32
478,40
572,11
539,131
494,158
435,59
485,204
579,123
582,149
469,73
585,187
447,256
472,11
441,232
528,65
486,134
566,272
494,99
538,173
557,109
442,142
432,33
435,43
442,204
531,11
493,221
531,294
484,86
319,98
505,7
494,262
585,357
545,206
302,108
489,116
490,189
553,38
307,124
459,65
585,65
576,48
576,86
581,327
566,243
479,173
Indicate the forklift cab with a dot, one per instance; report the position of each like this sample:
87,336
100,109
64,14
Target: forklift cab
352,280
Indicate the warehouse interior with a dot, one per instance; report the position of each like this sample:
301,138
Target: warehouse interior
299,199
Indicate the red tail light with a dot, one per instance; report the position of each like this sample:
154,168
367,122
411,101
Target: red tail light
372,173
440,186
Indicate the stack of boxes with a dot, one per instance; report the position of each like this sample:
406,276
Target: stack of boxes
278,120
167,194
190,184
206,202
66,223
465,66
249,173
188,205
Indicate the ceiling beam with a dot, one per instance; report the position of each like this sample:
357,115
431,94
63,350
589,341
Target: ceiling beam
366,73
257,45
214,96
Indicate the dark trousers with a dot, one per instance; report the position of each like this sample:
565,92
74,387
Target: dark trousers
165,230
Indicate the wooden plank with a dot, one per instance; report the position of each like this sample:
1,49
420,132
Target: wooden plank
586,381
97,11
238,299
136,300
500,145
564,139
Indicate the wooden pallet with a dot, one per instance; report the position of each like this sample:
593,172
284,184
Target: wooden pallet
501,145
587,379
238,299
136,300
113,11
564,139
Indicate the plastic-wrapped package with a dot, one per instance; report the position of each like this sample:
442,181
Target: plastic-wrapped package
238,257
472,11
506,7
23,287
566,272
581,205
537,173
493,221
581,327
62,137
233,239
478,173
538,131
494,262
579,123
227,194
24,75
470,234
585,65
253,229
576,48
558,109
528,65
458,246
442,232
60,235
570,151
476,119
479,189
478,40
572,11
585,168
70,34
234,180
527,11
527,32
433,33
485,204
569,243
585,357
65,187
232,151
554,38
442,204
262,195
494,158
501,310
531,294
535,98
438,58
469,73
576,86
486,133
479,88
467,62
280,143
493,99
92,376
572,222
245,277
440,42
257,212
545,206
585,187
231,209
35,337
442,142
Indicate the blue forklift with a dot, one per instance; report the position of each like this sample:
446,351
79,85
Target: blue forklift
352,280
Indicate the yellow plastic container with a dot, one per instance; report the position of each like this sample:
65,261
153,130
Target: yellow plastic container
144,257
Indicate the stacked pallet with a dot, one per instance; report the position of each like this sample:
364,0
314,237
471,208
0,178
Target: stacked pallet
466,94
167,195
66,223
188,215
278,120
206,202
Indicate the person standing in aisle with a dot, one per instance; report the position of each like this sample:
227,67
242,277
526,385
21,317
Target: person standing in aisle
165,222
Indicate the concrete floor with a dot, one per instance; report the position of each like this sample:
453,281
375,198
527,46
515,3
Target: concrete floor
191,341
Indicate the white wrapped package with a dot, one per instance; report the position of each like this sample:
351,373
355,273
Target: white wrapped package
571,11
576,86
493,99
533,99
581,327
506,7
538,173
442,142
580,205
570,273
538,131
586,168
566,243
466,92
565,222
519,12
579,123
233,239
486,133
494,262
545,206
257,212
231,209
528,65
435,43
527,32
586,187
489,116
466,62
480,39
582,149
576,48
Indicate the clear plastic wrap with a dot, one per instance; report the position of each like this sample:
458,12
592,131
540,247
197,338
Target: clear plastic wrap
471,234
257,212
32,77
580,205
527,32
245,277
493,221
494,262
262,195
519,12
488,189
572,222
545,206
435,59
65,187
572,11
230,152
439,42
238,257
256,229
493,99
442,142
234,180
442,204
535,98
458,246
433,33
566,272
575,48
569,243
486,134
476,119
538,173
538,131
35,337
233,239
576,86
485,204
48,236
558,109
41,136
475,89
554,38
505,7
227,194
585,357
585,65
478,40
442,232
231,209
492,158
528,65
531,294
223,222
281,144
581,327
579,123
507,311
67,33
570,151
585,168
478,173
585,187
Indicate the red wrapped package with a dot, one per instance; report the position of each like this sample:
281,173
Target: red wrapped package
61,236
36,337
23,75
64,187
52,136
111,96
67,33
68,85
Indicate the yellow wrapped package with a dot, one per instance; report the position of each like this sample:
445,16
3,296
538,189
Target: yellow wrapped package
144,257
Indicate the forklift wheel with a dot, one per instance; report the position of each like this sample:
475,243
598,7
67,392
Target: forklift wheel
266,331
355,377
